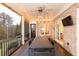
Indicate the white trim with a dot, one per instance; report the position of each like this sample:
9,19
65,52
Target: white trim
22,31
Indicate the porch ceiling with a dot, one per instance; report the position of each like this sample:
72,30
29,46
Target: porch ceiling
25,9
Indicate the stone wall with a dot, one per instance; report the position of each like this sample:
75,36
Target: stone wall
70,31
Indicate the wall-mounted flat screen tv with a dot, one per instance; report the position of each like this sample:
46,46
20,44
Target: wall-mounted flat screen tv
67,21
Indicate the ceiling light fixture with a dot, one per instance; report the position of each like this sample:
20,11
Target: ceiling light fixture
42,12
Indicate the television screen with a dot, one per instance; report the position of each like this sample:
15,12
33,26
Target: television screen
67,21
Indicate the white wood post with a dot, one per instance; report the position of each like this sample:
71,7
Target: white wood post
22,30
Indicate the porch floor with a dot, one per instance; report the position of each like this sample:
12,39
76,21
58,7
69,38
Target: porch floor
22,51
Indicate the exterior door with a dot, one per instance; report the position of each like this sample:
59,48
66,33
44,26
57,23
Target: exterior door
33,31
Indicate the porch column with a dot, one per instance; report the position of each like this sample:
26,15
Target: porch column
22,30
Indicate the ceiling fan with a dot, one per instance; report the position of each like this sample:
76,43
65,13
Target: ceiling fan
42,9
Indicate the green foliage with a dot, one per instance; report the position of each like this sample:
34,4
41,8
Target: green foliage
18,30
3,33
6,20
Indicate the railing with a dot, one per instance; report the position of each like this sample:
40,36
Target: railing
7,47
